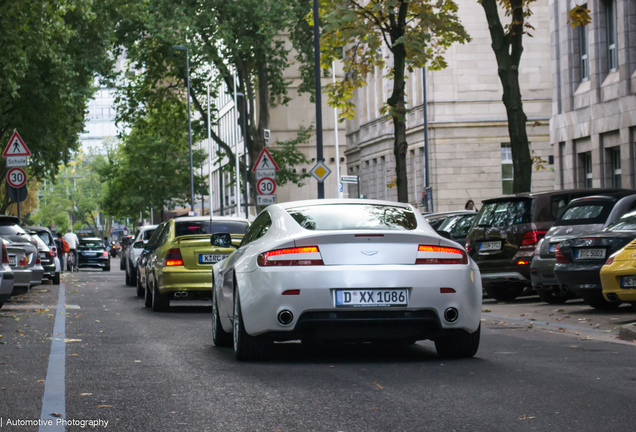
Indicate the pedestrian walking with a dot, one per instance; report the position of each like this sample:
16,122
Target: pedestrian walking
63,248
71,238
470,205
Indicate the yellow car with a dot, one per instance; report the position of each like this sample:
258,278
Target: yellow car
180,268
618,276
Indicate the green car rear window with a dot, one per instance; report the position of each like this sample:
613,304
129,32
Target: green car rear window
207,227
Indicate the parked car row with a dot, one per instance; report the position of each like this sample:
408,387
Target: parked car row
555,243
27,257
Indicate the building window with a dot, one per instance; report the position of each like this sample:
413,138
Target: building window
586,169
616,167
612,46
507,171
585,65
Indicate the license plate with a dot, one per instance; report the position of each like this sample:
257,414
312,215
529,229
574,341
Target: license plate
553,247
628,281
590,254
12,261
489,246
90,254
210,259
367,298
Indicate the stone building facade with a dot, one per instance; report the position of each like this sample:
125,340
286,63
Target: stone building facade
593,125
469,153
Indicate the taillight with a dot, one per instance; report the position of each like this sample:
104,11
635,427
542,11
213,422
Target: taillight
300,256
531,238
38,260
5,254
609,261
105,253
24,261
560,258
53,251
447,255
173,257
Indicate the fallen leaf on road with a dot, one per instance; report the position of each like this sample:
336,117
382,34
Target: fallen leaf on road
40,380
560,310
72,340
86,394
486,310
96,320
56,415
72,355
526,417
104,406
381,388
137,361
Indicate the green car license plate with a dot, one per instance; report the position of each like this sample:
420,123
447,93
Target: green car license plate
210,259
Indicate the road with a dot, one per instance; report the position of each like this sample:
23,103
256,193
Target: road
145,371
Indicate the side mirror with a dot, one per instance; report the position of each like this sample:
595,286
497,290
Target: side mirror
445,234
221,240
138,245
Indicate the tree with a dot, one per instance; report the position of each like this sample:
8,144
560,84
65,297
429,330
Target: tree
51,52
414,32
77,191
223,37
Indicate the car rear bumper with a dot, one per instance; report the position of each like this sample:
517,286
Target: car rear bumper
262,300
94,263
6,285
37,273
582,279
22,280
611,281
542,271
178,278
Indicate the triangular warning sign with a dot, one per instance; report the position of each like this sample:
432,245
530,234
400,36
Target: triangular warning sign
16,147
265,161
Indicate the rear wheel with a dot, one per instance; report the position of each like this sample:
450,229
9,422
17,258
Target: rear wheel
56,278
133,276
160,303
127,278
503,293
122,263
219,337
460,345
598,302
148,296
106,268
246,347
556,295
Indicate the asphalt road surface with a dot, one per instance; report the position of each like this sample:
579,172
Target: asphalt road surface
111,360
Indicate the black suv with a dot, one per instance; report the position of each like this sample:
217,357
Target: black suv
506,231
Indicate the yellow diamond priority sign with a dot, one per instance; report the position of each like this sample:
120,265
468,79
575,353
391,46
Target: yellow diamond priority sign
320,171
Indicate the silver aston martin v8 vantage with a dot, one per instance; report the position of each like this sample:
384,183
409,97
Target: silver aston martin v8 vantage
353,270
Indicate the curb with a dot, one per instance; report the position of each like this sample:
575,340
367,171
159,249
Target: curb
627,332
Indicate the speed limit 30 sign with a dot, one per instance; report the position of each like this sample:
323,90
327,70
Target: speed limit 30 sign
266,186
16,177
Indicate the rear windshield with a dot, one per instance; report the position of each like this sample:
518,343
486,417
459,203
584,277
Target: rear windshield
41,244
584,214
623,224
354,217
207,227
46,237
504,213
11,230
458,226
147,234
91,244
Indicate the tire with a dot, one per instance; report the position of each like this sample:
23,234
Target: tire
56,278
502,293
246,347
460,345
219,337
106,268
148,296
600,303
122,264
1,304
633,305
141,292
554,296
127,278
160,303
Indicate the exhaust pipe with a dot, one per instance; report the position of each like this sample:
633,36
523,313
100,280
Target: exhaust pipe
180,294
451,314
613,298
285,317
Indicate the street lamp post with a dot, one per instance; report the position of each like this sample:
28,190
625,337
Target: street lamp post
185,48
244,154
321,185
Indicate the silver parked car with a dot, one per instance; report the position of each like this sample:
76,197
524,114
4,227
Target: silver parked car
6,276
19,264
131,256
582,216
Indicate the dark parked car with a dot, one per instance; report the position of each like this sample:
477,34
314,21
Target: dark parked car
505,234
579,260
48,252
457,227
92,253
582,216
437,219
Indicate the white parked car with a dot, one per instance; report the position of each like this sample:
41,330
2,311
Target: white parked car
131,256
360,270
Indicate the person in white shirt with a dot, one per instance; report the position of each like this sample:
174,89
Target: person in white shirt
72,241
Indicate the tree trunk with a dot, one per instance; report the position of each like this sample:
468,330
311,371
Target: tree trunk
397,105
508,49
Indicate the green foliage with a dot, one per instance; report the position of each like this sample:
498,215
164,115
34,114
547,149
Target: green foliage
77,191
416,33
287,157
51,52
